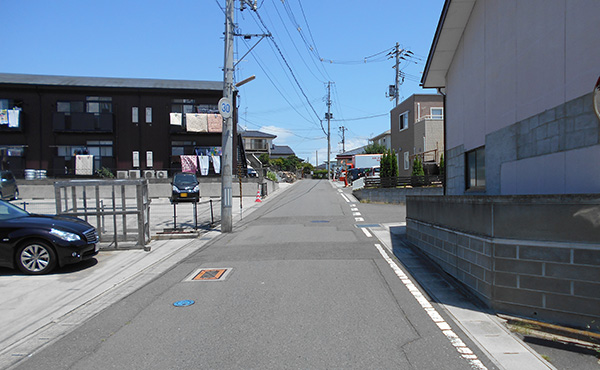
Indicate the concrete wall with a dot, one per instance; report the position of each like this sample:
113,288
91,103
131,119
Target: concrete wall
393,196
536,109
536,256
157,188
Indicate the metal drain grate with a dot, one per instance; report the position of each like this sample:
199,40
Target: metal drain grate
209,274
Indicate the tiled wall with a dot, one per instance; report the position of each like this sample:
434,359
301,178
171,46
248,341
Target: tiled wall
557,282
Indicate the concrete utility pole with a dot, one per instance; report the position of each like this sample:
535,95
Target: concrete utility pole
328,116
343,130
228,107
397,52
227,135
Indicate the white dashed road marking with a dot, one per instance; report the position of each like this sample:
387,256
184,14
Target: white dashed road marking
367,233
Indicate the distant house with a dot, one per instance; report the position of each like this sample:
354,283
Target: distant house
257,142
383,139
417,129
345,158
281,151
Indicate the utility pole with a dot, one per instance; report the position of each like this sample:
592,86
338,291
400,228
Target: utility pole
343,130
227,103
227,135
328,116
397,52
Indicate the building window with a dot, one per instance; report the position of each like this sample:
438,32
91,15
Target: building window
475,169
256,144
403,121
406,160
98,105
135,112
437,113
148,114
68,107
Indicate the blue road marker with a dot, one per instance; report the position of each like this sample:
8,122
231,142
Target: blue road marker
184,303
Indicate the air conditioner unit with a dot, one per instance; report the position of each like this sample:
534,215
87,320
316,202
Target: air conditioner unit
162,174
148,174
134,174
122,175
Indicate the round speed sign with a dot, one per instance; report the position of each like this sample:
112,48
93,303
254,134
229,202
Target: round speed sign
225,107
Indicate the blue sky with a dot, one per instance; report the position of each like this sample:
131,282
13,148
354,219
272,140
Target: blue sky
320,41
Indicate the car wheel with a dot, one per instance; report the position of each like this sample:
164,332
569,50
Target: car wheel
16,196
36,258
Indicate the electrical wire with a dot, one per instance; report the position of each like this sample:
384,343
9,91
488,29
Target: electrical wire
272,39
294,44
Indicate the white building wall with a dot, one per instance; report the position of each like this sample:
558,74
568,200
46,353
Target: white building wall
516,60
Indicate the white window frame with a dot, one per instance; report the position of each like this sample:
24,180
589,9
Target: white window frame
148,114
405,114
436,116
135,113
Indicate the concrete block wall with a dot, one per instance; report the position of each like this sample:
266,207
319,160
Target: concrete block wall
394,196
519,274
466,257
455,170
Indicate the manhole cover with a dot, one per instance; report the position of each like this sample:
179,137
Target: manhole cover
209,274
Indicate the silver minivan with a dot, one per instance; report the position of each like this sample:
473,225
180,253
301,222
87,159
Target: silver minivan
8,186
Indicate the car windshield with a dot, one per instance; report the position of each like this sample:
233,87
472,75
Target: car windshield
9,211
185,179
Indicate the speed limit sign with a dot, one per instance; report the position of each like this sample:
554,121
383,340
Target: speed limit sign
225,107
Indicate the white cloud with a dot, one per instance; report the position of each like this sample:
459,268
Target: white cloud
354,143
282,133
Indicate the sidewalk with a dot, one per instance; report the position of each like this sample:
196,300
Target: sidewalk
37,310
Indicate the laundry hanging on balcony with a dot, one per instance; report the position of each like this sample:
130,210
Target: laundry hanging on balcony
203,162
188,163
196,122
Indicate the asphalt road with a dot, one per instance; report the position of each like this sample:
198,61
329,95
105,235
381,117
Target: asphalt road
304,288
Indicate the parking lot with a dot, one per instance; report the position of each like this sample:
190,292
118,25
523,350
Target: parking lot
38,309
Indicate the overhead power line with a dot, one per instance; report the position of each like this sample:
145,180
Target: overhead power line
360,118
272,39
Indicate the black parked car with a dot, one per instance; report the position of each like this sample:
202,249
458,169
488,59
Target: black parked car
186,188
36,244
8,185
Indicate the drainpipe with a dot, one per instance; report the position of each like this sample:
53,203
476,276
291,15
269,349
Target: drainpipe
445,146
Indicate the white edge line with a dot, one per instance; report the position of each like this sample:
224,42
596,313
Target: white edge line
367,233
463,350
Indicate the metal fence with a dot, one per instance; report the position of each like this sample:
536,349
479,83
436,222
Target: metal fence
119,209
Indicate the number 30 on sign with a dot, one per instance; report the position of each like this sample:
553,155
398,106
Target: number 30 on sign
225,107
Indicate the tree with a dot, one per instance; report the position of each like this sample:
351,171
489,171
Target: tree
374,148
385,165
306,168
418,167
264,158
394,163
